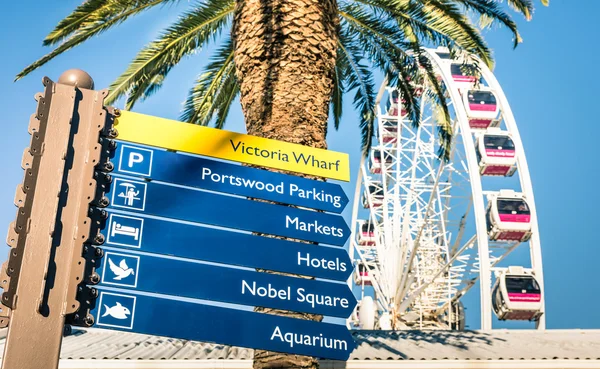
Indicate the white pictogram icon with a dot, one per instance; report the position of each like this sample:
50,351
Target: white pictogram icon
121,271
118,228
130,193
118,311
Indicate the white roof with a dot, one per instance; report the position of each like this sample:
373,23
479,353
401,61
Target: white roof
98,348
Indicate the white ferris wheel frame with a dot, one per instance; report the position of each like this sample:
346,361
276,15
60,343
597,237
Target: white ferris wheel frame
486,266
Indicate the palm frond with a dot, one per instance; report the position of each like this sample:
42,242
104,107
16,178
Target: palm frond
214,89
524,6
359,77
491,12
385,48
444,128
415,29
96,12
225,99
338,92
191,32
80,27
449,18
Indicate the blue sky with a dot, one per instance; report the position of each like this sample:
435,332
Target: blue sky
550,82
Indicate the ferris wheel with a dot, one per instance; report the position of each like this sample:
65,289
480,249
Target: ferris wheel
426,231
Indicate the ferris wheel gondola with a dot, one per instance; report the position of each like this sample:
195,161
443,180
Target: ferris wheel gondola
508,217
517,295
366,236
373,195
496,153
482,108
363,274
366,313
463,74
377,163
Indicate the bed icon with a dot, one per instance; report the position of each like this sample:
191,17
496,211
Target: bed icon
118,228
125,230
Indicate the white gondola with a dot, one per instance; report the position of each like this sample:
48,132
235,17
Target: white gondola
376,162
363,275
496,153
516,295
366,313
482,109
508,217
373,195
366,236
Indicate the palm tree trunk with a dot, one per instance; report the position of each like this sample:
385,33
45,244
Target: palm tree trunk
285,53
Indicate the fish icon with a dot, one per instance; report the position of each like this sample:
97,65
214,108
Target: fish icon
118,311
121,271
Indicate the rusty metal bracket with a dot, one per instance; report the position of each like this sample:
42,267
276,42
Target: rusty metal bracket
87,153
97,216
18,230
37,303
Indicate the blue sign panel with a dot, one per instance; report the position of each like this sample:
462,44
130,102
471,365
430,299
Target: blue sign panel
197,322
216,283
187,170
226,211
225,247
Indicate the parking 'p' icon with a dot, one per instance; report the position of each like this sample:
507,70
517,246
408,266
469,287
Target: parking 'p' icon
135,160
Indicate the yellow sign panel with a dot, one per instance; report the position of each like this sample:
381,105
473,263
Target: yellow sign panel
217,143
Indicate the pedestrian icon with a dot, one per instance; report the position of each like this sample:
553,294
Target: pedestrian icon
129,194
120,269
135,160
125,230
115,310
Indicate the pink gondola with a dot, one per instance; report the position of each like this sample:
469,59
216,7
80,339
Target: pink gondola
482,108
516,295
496,153
508,217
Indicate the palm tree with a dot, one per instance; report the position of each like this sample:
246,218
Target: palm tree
290,61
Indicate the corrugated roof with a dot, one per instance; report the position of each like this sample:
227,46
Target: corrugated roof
99,344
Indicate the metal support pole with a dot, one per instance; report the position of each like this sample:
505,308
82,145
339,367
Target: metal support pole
46,264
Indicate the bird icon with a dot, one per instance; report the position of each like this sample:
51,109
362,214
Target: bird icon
121,271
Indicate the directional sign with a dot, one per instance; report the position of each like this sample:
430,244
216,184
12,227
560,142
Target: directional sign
225,247
224,177
197,322
217,143
217,283
226,211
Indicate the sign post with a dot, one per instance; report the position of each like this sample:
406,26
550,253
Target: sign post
45,264
181,235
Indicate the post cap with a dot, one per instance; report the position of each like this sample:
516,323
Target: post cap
77,78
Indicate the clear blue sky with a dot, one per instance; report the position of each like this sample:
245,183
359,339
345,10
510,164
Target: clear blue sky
550,81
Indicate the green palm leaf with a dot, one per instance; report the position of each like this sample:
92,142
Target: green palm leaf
88,20
214,90
359,77
338,92
191,32
96,12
